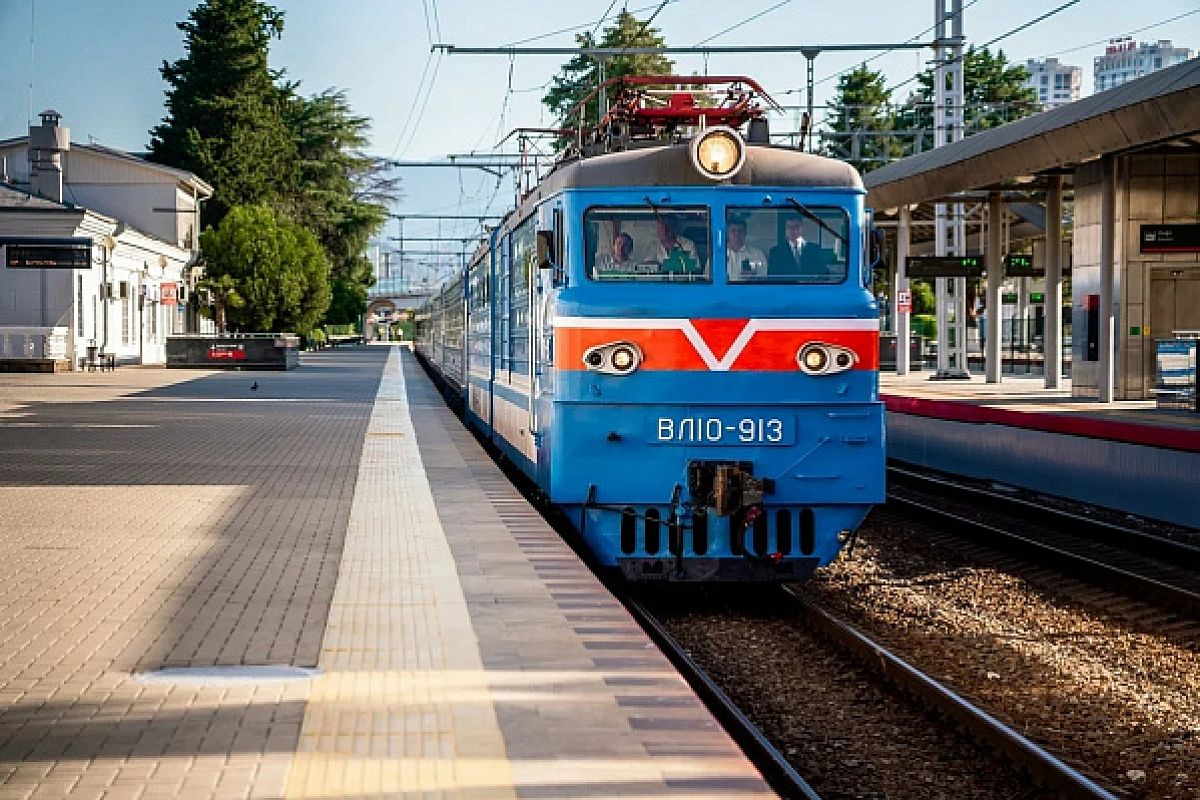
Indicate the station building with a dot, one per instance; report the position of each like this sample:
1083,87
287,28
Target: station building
1129,161
99,248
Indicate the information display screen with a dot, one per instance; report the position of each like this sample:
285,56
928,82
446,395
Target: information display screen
945,267
47,253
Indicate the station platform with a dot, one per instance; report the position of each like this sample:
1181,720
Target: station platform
311,584
1127,455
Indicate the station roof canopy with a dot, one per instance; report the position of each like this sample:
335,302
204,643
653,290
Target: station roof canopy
1162,108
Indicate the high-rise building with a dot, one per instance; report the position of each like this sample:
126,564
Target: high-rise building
1056,84
1126,60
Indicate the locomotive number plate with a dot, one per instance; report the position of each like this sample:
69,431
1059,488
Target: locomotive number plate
723,429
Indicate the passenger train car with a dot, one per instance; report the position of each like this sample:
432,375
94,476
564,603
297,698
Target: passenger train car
678,344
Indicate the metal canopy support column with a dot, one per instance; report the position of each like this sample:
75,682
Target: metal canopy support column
1053,355
810,56
1108,213
948,127
903,237
995,277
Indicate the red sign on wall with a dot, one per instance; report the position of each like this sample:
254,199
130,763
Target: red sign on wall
168,294
227,352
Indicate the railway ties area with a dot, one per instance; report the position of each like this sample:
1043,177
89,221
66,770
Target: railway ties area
1104,681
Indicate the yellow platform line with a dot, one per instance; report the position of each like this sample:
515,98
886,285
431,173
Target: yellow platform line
388,712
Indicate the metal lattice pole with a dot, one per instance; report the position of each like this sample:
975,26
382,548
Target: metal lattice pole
950,231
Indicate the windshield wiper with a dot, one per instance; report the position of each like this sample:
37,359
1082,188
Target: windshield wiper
806,212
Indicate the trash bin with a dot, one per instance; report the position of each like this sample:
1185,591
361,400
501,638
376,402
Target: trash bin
92,351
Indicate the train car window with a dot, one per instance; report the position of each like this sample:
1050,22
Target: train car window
502,305
648,244
770,245
524,265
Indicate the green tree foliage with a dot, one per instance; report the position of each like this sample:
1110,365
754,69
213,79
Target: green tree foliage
581,75
994,93
278,269
237,124
924,298
342,193
861,125
222,292
224,110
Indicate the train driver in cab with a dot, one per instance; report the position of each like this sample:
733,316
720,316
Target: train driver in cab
787,256
745,261
675,253
620,260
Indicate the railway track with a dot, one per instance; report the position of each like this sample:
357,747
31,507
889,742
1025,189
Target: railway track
1047,769
779,773
1143,565
873,761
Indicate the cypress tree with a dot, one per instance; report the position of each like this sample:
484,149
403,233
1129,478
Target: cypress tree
224,109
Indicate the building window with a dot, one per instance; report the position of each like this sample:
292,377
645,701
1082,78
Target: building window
126,301
79,305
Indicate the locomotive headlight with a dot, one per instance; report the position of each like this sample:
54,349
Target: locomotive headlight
718,152
819,358
623,359
814,359
615,358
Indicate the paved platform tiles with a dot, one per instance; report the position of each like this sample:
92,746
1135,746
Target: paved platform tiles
473,657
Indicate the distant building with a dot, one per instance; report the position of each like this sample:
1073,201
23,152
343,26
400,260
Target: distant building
1125,60
98,249
1056,84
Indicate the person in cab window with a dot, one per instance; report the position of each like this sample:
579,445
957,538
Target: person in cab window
744,260
675,253
785,258
620,260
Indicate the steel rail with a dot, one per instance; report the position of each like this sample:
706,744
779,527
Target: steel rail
1043,765
1106,576
781,775
1180,554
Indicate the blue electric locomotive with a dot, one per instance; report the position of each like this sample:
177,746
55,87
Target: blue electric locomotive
678,343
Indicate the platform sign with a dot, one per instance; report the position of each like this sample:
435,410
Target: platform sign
30,253
1170,238
904,302
1020,265
944,267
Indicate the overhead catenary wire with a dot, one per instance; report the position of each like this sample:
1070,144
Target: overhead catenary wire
413,108
646,24
875,57
1029,24
739,24
593,24
1142,29
1001,37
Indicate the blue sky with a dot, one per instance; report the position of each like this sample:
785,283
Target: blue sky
97,61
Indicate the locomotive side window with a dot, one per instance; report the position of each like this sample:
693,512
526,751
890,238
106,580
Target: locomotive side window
648,244
789,245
